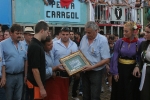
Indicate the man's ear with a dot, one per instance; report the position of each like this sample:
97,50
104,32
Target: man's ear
41,31
10,33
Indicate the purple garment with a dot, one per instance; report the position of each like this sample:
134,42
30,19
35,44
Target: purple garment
123,51
141,39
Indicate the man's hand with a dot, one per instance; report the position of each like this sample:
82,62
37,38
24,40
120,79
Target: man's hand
43,93
3,81
116,77
77,76
59,67
87,68
107,68
25,79
136,72
54,75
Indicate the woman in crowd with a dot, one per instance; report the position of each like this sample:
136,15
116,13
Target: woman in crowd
145,65
124,84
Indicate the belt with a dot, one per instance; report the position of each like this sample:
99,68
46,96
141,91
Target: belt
14,73
126,61
61,73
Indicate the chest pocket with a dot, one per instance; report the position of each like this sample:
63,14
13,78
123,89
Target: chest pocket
22,52
95,52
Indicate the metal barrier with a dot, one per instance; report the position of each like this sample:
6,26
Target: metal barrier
103,14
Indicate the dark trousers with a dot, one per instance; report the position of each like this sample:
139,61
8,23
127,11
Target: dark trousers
2,94
31,94
80,86
75,87
92,81
27,96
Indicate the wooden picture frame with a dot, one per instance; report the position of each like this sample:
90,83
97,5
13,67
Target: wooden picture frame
74,62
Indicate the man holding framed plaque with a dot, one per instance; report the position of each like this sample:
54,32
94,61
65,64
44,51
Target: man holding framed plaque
95,48
61,48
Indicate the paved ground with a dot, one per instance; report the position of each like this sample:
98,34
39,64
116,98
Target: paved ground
104,96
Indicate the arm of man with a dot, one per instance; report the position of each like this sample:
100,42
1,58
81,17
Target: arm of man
101,63
104,55
37,78
3,79
25,71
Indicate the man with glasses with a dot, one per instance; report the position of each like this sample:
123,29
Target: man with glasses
61,48
28,35
15,59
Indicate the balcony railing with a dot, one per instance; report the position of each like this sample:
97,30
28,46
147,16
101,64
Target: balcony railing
104,14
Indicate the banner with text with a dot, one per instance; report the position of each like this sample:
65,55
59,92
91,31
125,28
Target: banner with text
55,12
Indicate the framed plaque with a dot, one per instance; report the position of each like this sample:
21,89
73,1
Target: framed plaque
74,62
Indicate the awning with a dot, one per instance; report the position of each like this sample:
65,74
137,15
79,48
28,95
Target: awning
6,12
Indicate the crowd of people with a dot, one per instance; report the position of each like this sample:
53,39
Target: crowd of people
30,67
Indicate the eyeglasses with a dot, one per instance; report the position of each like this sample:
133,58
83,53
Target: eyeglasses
65,29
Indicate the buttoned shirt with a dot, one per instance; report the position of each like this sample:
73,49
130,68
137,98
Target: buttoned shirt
55,39
14,57
1,60
49,62
96,51
60,50
25,44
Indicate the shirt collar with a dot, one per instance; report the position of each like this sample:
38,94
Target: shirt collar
47,54
12,40
37,41
95,37
25,42
69,45
59,41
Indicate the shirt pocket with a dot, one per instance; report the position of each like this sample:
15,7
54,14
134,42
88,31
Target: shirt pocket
23,54
94,51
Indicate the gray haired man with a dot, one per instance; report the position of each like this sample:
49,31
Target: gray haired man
95,48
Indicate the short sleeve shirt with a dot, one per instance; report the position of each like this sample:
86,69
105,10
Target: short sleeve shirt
96,51
36,59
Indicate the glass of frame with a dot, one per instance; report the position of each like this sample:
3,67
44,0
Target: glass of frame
74,62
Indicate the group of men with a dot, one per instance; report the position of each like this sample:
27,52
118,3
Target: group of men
24,61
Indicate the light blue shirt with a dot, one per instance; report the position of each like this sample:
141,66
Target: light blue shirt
25,44
55,39
60,50
1,60
14,57
49,62
96,51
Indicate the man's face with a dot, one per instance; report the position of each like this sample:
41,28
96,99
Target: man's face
48,46
65,36
91,34
44,33
16,36
72,35
1,34
28,36
110,41
6,35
